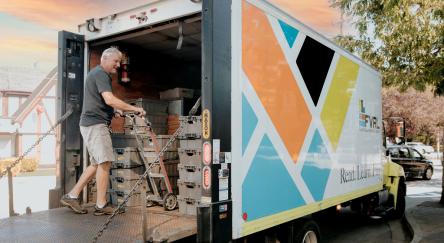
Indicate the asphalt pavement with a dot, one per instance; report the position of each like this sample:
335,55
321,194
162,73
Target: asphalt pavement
424,214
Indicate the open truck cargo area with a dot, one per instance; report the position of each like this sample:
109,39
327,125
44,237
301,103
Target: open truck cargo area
61,225
290,125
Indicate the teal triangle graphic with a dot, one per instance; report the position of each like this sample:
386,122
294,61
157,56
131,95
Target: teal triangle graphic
289,32
317,166
268,187
249,122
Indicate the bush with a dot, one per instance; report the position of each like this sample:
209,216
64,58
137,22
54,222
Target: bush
4,163
25,165
29,164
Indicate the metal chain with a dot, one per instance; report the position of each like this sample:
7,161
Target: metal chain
39,140
138,183
143,177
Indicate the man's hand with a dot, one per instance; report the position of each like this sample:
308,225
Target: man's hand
140,111
118,113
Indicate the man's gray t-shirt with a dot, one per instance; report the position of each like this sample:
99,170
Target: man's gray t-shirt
95,110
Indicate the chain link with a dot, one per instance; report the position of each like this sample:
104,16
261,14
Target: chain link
138,183
147,171
39,140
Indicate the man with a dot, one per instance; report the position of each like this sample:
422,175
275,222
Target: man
97,113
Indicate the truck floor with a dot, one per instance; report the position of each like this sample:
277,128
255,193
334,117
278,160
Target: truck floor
62,225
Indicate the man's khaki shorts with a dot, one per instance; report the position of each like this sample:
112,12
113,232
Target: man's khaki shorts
97,139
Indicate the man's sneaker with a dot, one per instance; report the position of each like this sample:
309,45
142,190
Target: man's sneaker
108,209
73,203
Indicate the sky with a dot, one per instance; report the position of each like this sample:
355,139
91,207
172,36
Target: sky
28,36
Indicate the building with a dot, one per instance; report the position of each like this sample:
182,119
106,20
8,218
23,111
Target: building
27,110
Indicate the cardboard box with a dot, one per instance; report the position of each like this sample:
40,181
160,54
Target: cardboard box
117,124
176,93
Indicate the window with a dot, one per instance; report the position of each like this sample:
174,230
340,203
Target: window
4,106
394,152
416,154
13,105
403,153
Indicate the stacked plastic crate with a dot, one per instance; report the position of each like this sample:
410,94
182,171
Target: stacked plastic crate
170,160
125,172
190,156
129,166
157,114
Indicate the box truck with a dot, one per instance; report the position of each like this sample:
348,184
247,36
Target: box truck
291,123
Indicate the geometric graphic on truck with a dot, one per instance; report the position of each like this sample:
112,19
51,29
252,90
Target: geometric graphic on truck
316,167
299,125
265,65
290,32
338,98
268,188
313,62
249,122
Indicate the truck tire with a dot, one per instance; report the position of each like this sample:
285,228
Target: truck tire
428,173
399,211
307,231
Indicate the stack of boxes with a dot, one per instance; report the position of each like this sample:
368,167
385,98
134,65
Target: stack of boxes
125,172
128,167
184,174
190,157
173,124
157,114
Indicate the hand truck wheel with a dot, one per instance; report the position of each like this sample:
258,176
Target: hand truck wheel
169,201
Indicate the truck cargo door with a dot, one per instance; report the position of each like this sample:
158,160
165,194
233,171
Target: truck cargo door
69,95
214,217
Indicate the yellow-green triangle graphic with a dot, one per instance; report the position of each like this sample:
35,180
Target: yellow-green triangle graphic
338,98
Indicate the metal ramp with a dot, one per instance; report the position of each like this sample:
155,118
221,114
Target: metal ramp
62,225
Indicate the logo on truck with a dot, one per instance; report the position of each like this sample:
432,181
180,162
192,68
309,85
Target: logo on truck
367,121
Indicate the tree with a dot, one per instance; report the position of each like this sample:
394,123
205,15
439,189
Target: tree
420,111
403,39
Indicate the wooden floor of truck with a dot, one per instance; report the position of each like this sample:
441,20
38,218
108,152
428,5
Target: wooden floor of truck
62,225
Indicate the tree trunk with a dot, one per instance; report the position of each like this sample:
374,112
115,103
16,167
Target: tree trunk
442,180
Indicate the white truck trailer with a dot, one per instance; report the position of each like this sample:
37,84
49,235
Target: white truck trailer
291,123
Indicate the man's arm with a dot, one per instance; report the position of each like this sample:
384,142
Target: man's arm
118,104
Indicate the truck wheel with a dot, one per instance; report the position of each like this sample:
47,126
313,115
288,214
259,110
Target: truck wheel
398,212
428,174
307,232
169,202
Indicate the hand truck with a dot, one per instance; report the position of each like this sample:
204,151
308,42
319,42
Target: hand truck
154,178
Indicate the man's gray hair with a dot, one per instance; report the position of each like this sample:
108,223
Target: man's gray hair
110,51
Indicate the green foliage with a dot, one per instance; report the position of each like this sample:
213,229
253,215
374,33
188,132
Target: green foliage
403,39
